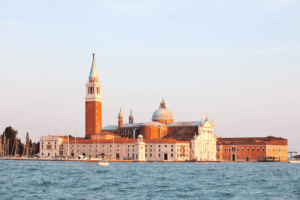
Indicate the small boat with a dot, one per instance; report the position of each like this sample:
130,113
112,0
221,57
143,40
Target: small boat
294,161
103,163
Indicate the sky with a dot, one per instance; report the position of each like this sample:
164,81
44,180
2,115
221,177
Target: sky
236,60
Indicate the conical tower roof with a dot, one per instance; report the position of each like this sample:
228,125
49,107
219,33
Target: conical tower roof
93,73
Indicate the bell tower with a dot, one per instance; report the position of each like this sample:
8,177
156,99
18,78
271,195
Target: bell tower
120,119
131,117
93,103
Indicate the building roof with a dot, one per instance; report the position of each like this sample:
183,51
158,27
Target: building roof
110,127
93,73
162,114
270,140
152,124
180,137
192,123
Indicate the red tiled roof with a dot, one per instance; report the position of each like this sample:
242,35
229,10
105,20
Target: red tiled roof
270,140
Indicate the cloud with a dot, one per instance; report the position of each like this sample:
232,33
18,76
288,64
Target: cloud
146,7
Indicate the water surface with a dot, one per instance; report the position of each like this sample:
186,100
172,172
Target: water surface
83,180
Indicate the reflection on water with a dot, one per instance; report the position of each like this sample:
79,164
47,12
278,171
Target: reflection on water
82,180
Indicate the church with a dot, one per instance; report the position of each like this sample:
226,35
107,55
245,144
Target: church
161,139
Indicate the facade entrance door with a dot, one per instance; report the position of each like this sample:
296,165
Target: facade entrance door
247,159
165,156
233,157
118,156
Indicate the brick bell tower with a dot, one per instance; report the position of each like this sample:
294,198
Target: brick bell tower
93,103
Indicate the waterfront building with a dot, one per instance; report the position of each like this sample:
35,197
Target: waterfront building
52,145
252,149
123,148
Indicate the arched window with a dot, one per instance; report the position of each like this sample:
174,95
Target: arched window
164,132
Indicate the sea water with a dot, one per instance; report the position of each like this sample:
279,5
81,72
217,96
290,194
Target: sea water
85,180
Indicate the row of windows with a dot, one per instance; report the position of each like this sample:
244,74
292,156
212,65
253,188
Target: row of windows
127,132
91,90
237,149
181,132
48,142
257,149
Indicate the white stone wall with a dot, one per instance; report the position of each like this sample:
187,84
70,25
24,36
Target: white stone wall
153,151
204,145
49,146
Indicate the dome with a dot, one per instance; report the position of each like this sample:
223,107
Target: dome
163,114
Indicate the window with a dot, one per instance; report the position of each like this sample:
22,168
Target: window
145,145
145,150
150,145
133,150
166,146
228,148
252,149
242,148
158,145
128,145
171,155
225,149
128,150
172,132
110,145
171,145
171,150
225,156
248,149
190,132
257,149
263,149
150,150
90,145
237,157
98,90
145,155
218,149
159,155
257,156
118,146
177,155
237,149
242,156
83,145
158,150
150,155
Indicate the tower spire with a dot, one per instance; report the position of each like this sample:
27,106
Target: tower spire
93,74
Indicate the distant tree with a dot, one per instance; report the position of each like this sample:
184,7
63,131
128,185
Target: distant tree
9,136
38,147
